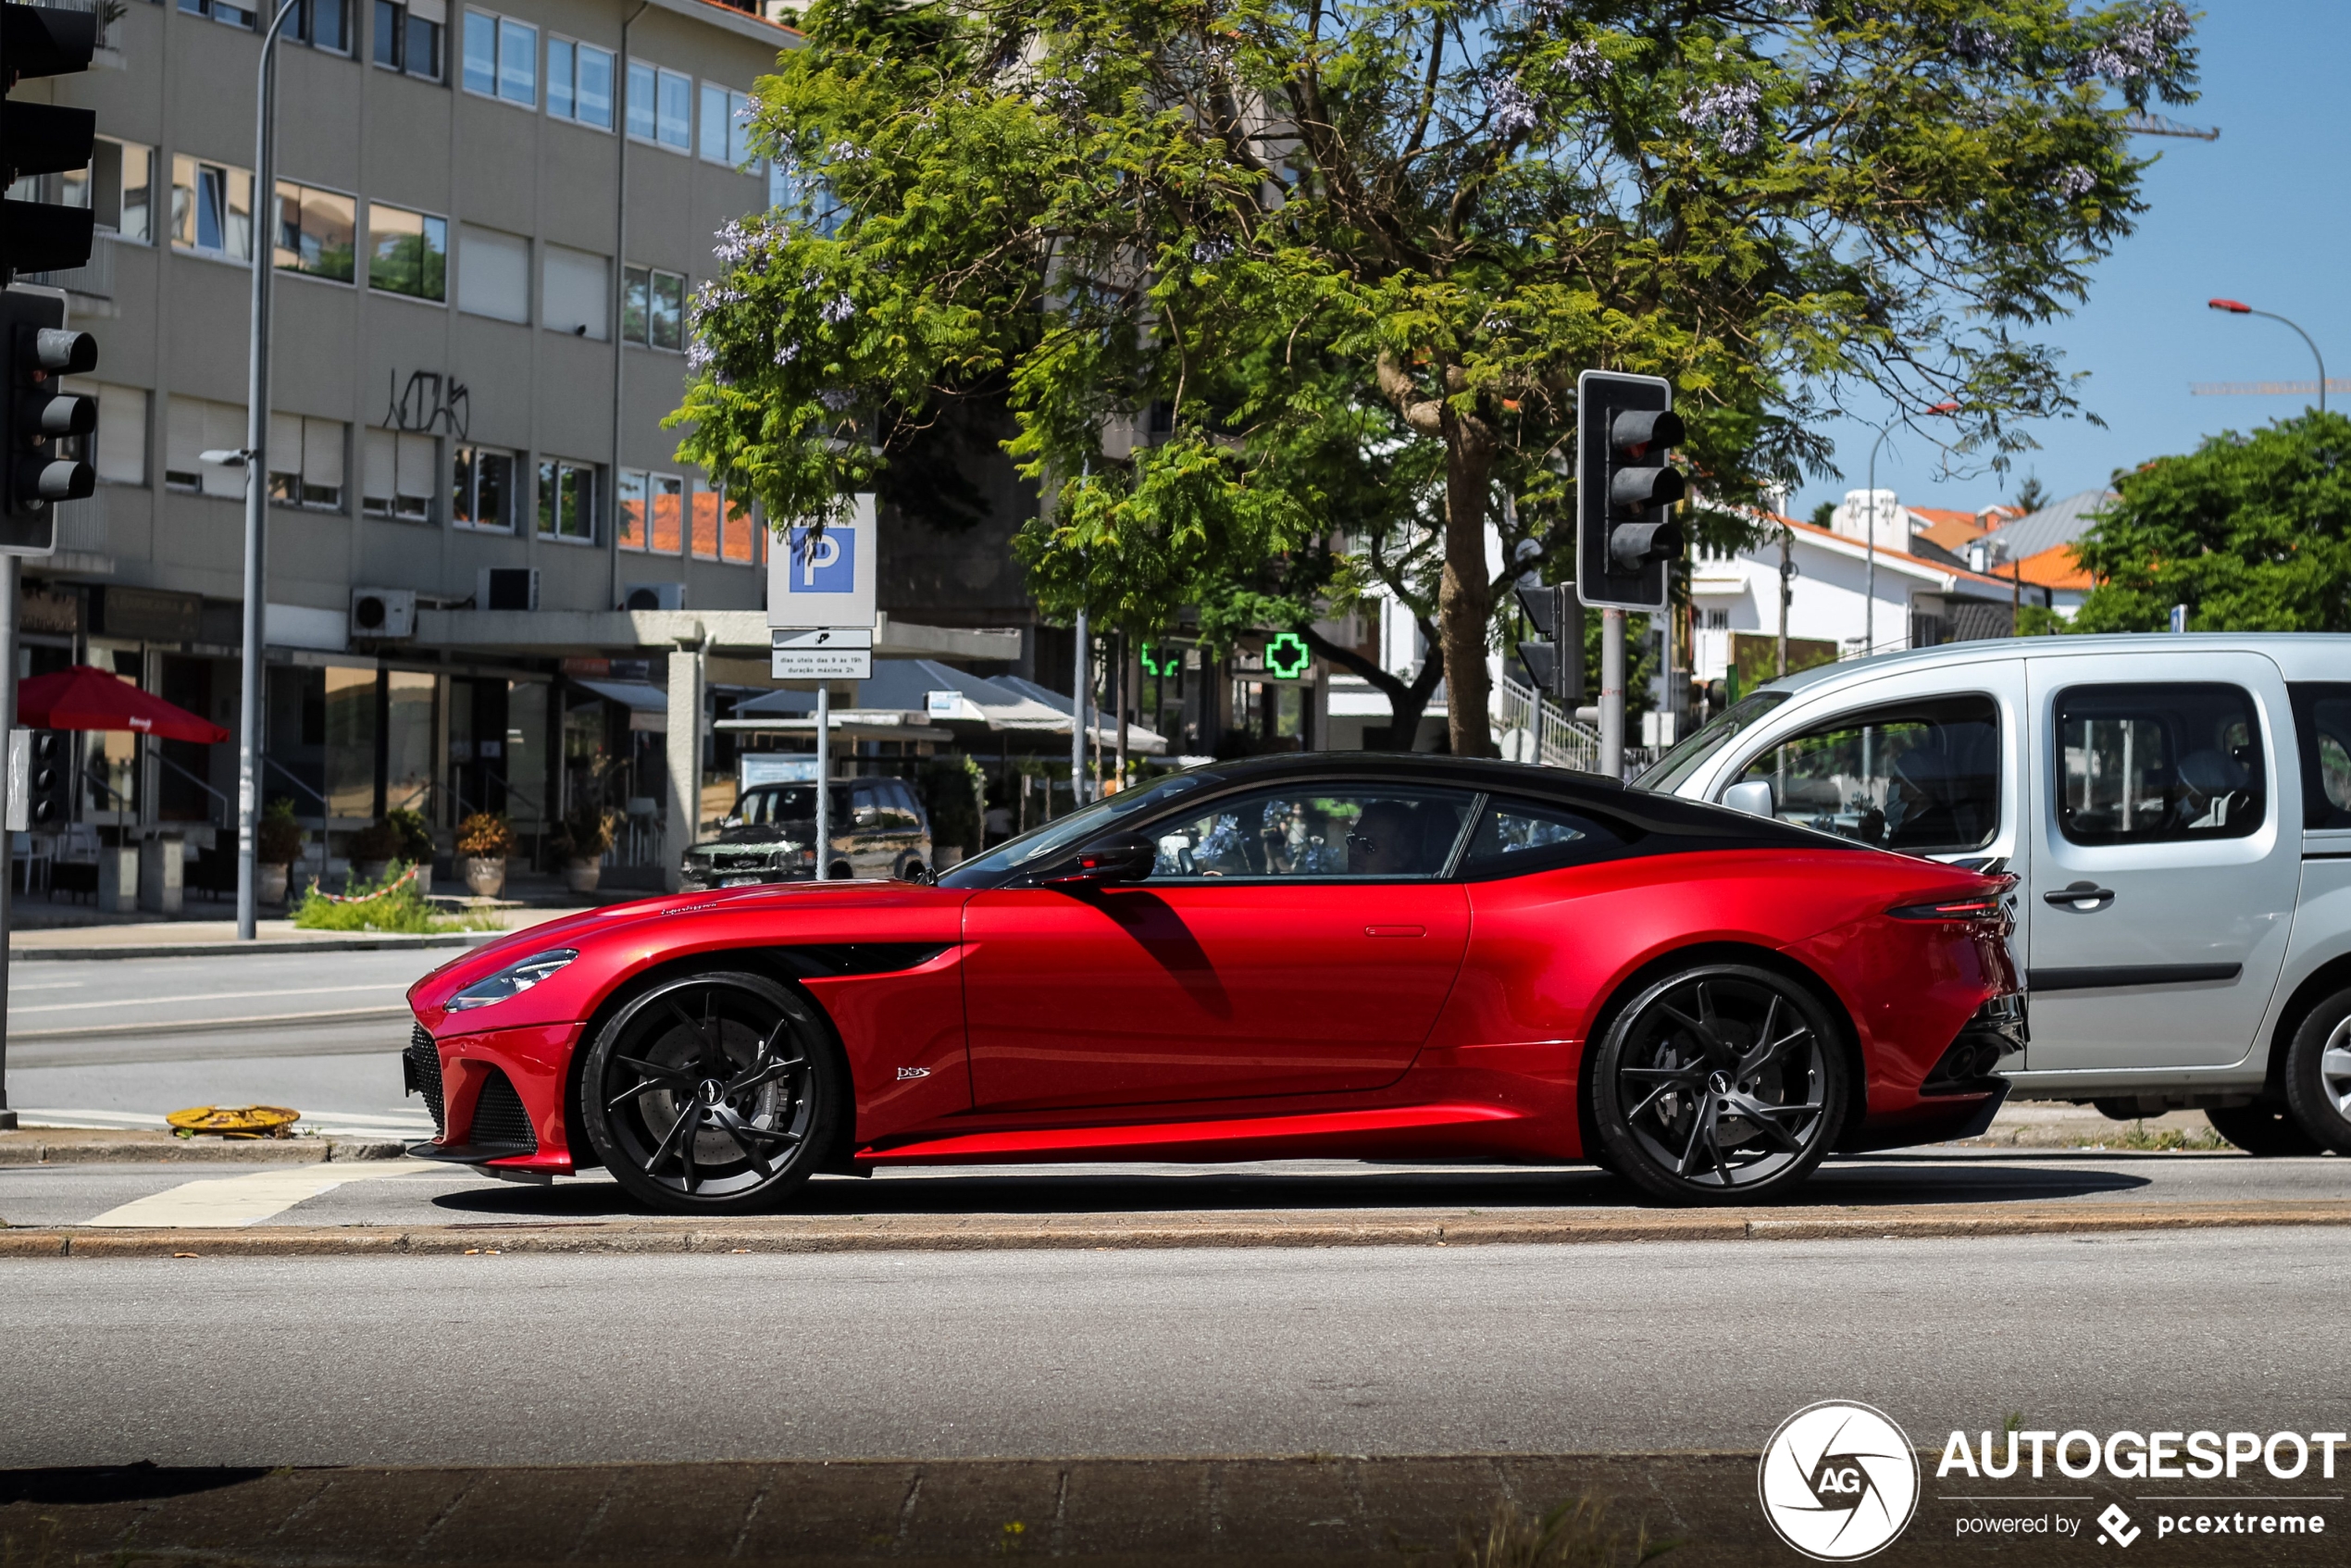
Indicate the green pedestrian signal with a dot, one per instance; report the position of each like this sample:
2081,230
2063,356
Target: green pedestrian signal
1287,656
1154,662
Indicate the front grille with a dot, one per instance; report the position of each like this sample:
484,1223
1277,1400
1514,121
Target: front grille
500,1122
420,1065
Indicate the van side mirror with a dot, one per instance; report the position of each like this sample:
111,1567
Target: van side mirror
1107,861
1753,797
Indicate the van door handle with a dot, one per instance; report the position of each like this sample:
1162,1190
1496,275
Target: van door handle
2078,894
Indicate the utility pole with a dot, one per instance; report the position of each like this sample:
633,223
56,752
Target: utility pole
1613,692
1081,677
824,782
1787,588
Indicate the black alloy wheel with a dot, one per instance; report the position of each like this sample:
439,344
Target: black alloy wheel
1722,1083
712,1093
2262,1130
2317,1073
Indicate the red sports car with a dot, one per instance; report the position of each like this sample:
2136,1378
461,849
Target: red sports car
1373,956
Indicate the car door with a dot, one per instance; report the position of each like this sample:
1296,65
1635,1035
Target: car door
2165,854
1289,940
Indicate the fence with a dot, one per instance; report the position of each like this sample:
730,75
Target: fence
1532,730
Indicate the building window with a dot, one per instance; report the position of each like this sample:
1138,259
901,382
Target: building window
211,209
702,535
1717,620
575,292
632,509
305,462
322,24
501,58
408,36
725,127
579,82
193,427
396,476
122,446
566,500
660,106
407,252
668,512
740,528
652,307
317,235
122,179
493,273
481,488
219,11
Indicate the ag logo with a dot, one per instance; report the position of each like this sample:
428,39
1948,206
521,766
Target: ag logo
1838,1481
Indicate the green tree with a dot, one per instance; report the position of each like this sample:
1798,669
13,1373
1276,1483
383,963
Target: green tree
2252,533
1226,256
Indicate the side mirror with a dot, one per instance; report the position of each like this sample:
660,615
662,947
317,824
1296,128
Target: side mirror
1754,797
1107,861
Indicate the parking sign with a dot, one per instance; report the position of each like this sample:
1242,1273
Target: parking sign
823,574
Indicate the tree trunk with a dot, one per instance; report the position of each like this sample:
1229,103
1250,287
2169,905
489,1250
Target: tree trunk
1464,598
1406,702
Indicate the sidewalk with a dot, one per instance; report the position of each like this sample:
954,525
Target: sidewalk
43,930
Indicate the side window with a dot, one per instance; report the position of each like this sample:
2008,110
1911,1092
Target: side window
910,810
2322,716
1516,836
1317,830
2156,764
1924,777
865,805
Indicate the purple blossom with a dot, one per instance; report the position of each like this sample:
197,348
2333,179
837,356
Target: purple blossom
737,242
836,398
2144,46
1584,64
786,352
1512,111
1729,111
2074,181
1976,45
838,309
1209,252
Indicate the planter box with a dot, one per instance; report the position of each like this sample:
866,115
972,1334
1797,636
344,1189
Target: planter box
485,874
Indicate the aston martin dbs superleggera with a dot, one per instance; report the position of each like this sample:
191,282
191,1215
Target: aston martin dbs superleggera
1375,956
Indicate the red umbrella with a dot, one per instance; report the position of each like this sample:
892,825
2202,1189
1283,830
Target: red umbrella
84,698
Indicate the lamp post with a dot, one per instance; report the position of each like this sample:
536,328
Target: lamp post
1869,589
2238,307
264,242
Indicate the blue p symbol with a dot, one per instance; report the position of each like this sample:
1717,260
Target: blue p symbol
822,562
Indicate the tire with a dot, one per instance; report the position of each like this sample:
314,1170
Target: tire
843,872
2317,1073
737,1061
2270,1131
1721,1083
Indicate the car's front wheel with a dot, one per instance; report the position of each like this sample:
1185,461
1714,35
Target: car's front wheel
712,1093
1721,1083
2318,1073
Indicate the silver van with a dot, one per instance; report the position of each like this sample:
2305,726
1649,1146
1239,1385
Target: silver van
2177,811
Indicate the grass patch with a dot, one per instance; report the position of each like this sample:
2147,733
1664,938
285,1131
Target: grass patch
2141,1138
1576,1534
390,905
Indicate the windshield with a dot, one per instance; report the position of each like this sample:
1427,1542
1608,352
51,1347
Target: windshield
1039,845
771,804
1669,771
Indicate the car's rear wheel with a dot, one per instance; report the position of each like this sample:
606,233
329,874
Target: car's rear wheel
2317,1073
2267,1130
712,1093
1722,1083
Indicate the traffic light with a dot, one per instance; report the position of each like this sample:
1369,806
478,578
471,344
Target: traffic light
36,413
1625,538
44,138
1553,658
49,781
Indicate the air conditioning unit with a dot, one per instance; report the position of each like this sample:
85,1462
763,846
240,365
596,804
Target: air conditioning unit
507,588
654,596
383,612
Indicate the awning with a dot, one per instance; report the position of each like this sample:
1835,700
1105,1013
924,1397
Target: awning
87,698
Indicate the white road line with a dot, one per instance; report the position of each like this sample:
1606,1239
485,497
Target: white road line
203,996
226,1202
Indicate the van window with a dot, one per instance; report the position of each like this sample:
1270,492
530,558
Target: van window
1924,777
1669,770
2323,717
2158,762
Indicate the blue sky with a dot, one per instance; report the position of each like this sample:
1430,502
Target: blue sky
2259,216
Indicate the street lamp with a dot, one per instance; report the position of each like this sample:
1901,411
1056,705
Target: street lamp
265,245
1869,591
2238,307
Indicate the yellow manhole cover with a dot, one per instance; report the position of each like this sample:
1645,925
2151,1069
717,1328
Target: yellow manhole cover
233,1121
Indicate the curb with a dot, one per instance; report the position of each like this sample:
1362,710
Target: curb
30,954
156,1031
21,1153
1094,1232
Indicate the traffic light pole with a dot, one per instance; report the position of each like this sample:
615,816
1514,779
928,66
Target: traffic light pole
11,566
1612,693
265,240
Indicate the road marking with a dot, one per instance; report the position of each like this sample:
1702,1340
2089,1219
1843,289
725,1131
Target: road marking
409,1125
205,996
228,1203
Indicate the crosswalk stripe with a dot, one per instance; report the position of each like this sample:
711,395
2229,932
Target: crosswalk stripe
227,1203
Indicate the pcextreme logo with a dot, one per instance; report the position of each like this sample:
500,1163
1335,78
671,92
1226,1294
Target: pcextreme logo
1838,1481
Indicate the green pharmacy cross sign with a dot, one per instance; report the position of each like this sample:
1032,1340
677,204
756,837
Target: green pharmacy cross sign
1287,656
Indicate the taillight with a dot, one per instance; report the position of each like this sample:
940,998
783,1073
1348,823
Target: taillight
1985,906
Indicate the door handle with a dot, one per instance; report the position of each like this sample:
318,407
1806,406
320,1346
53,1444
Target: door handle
2079,894
1395,930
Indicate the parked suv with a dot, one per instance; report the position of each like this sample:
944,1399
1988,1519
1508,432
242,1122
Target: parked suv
2178,811
879,829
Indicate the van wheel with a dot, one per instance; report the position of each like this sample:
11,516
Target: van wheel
2318,1073
841,872
2269,1131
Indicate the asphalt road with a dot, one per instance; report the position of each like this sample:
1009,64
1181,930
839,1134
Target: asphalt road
539,1359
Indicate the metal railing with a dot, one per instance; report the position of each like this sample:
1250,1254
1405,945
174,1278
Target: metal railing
93,278
1557,739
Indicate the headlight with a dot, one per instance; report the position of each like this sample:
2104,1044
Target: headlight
513,980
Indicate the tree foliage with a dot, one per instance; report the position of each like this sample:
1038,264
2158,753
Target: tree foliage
2252,533
1264,279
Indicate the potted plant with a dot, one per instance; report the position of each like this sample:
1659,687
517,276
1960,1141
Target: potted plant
580,842
277,845
372,850
416,844
484,840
